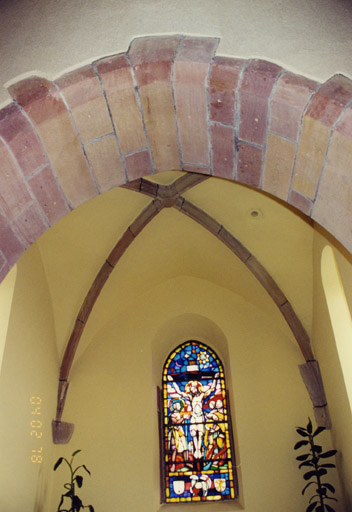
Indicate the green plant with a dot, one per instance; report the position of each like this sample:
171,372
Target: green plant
314,460
70,494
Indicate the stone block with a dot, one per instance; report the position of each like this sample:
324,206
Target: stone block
255,89
310,157
266,280
196,168
201,217
116,76
234,244
45,107
197,49
144,217
21,138
14,192
300,202
121,246
288,102
333,204
106,163
330,100
323,112
223,80
138,165
148,50
192,111
30,223
223,150
84,95
298,330
279,161
12,246
191,69
49,194
249,164
344,126
152,60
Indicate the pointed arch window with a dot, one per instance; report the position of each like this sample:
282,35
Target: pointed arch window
197,448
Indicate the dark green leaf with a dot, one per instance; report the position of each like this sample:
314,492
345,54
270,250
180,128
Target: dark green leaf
58,462
327,466
304,489
77,504
327,454
79,480
91,508
309,475
86,469
320,508
317,448
309,427
303,457
328,508
75,453
299,444
330,487
311,506
321,472
302,432
318,430
307,463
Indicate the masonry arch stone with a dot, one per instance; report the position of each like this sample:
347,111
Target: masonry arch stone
172,103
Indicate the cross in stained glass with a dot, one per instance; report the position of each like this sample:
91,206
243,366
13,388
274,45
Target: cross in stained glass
198,453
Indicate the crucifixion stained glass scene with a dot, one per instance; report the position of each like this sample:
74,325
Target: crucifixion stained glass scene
197,442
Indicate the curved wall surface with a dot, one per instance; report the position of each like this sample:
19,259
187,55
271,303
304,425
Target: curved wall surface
170,103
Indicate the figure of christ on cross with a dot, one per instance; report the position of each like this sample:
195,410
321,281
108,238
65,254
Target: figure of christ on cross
195,394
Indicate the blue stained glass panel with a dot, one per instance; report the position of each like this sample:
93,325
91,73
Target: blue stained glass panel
198,453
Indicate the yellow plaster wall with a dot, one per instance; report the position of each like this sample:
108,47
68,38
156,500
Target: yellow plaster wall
326,352
113,396
6,294
30,367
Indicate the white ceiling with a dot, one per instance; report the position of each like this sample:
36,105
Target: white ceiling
45,37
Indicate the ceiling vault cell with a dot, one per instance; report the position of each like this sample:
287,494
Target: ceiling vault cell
166,196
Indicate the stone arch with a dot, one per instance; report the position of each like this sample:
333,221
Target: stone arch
170,103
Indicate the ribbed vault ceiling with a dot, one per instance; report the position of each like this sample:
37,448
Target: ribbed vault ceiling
174,245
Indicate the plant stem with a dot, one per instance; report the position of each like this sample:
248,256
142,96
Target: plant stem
315,459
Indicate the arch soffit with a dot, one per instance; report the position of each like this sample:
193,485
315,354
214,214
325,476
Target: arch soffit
170,103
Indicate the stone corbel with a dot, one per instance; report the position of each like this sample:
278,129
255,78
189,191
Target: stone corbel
61,430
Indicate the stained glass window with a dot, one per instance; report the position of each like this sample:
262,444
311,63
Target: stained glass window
197,449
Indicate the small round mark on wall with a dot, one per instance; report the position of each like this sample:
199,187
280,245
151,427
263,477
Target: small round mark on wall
255,214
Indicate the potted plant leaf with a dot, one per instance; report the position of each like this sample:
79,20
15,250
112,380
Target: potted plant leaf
70,496
315,462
